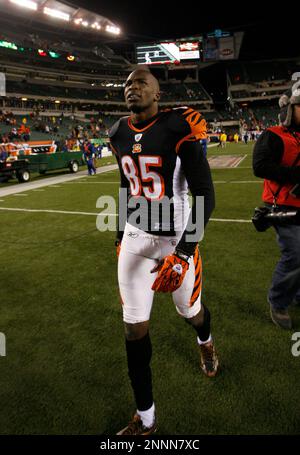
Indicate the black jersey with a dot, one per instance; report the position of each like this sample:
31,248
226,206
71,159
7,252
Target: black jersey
159,161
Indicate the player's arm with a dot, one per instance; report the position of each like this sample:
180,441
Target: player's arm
123,199
198,176
192,127
172,269
124,184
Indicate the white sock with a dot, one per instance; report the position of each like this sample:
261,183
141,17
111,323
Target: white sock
147,416
204,342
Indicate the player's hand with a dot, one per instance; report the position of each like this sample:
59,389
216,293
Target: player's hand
171,272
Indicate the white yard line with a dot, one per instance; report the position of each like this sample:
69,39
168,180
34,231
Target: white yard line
64,212
236,181
246,181
22,187
227,220
80,183
71,178
229,168
67,212
215,181
242,159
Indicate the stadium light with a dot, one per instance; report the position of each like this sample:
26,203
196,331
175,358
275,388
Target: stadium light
96,25
24,99
84,23
111,84
57,102
8,45
54,54
26,4
112,29
56,13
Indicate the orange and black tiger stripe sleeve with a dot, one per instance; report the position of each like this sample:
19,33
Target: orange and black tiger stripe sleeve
196,125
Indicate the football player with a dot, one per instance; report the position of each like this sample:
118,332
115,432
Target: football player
160,159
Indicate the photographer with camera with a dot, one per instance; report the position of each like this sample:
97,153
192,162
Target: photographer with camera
276,158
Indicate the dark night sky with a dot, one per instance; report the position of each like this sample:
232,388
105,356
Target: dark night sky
269,32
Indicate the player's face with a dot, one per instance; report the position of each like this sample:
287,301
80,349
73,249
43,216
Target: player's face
141,91
296,115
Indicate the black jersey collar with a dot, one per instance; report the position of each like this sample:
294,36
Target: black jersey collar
142,126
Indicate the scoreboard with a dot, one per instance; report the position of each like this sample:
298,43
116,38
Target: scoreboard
208,48
167,52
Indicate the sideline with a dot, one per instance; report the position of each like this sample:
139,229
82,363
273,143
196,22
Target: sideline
23,187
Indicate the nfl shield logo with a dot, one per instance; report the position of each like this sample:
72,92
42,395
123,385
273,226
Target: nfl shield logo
138,137
137,148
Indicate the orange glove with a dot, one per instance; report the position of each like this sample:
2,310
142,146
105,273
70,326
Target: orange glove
171,272
118,247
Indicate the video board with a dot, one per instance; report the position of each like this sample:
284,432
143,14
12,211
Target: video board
167,52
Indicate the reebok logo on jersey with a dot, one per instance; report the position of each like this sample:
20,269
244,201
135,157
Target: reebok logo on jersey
177,268
133,235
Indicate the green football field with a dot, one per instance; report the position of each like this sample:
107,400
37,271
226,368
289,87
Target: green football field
65,367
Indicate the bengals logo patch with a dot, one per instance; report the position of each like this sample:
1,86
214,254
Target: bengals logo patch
137,148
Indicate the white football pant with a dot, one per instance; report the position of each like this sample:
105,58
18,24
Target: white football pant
140,253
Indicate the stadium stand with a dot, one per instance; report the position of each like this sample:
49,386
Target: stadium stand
48,73
249,81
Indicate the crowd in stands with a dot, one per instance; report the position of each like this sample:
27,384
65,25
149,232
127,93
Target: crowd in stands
14,131
252,117
68,132
97,93
171,92
264,74
183,92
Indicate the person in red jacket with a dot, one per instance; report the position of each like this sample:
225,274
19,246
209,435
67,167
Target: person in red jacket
276,158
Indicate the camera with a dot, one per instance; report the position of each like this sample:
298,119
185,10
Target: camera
265,217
